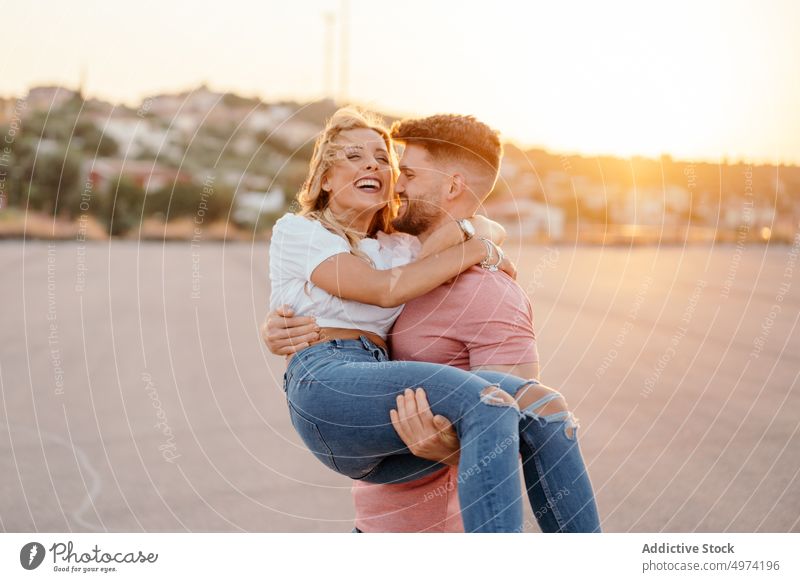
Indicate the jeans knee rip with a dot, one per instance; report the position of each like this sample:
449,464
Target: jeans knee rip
495,396
566,417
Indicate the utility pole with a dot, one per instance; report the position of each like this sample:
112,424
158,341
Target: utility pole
328,48
344,64
82,83
329,19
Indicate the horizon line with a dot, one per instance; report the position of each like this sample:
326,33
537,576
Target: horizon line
516,142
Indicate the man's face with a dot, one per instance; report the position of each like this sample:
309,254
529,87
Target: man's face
421,188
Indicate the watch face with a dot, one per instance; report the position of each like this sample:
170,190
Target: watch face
468,228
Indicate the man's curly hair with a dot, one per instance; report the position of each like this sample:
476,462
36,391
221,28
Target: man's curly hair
453,138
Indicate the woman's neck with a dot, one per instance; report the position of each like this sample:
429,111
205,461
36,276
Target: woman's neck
357,225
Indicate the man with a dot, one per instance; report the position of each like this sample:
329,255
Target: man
481,321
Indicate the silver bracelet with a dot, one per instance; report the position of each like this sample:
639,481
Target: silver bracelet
500,256
485,263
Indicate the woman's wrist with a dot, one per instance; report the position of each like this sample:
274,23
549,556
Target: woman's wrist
488,228
479,250
447,235
494,255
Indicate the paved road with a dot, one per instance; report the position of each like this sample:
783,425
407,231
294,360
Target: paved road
136,395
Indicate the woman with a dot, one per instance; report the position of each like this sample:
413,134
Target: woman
340,391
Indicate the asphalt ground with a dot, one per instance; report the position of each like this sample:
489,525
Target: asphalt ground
137,396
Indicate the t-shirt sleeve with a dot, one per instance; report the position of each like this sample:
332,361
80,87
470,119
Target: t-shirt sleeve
299,245
398,248
499,325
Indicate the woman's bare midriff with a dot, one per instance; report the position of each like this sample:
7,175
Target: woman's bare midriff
329,333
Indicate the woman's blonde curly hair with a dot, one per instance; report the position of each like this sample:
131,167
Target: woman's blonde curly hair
314,201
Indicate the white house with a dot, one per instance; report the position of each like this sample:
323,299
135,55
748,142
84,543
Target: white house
251,205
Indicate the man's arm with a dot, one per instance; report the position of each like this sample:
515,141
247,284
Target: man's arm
433,437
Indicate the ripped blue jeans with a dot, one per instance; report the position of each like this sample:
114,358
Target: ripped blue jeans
339,394
559,489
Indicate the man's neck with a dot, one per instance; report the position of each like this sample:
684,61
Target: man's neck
446,217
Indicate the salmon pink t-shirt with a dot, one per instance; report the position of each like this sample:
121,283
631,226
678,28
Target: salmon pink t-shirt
483,318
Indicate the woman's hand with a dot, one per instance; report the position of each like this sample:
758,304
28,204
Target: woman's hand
426,436
285,334
490,229
509,267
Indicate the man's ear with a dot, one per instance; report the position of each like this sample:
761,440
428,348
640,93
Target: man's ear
458,185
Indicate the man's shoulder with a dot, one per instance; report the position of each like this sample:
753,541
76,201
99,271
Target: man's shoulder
488,280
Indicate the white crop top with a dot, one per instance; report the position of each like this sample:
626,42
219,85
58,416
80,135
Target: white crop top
299,245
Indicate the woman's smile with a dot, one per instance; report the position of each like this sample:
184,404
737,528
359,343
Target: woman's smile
369,184
360,182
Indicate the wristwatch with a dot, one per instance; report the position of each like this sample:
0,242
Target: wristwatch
466,227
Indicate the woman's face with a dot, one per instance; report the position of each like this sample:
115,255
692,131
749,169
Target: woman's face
360,181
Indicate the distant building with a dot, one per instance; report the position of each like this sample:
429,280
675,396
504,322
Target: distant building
49,97
135,135
557,188
250,206
525,218
677,199
267,119
594,196
295,132
7,109
190,109
653,206
639,206
163,106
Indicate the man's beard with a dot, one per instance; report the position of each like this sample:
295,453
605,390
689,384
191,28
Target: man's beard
418,216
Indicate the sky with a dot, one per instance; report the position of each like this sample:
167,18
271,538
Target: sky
696,80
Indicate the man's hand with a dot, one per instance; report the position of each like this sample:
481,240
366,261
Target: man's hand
426,436
285,334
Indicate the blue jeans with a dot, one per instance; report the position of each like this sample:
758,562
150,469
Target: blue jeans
339,395
559,489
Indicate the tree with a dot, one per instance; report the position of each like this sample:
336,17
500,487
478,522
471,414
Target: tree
94,141
121,206
53,183
174,201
